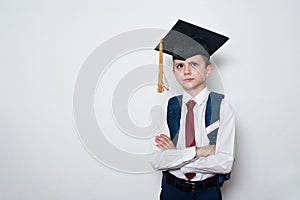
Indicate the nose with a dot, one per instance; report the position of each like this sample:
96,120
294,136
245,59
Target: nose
187,69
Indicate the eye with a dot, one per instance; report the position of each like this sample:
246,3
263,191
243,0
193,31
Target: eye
179,66
193,64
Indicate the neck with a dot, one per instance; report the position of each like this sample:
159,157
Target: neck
195,91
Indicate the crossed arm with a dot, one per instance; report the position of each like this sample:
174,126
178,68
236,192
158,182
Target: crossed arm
163,142
217,158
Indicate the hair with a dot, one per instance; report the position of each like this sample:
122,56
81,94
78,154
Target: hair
206,60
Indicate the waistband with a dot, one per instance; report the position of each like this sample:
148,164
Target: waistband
189,186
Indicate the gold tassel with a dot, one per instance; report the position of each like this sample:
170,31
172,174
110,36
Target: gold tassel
161,77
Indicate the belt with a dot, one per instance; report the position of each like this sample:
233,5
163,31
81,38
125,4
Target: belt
189,186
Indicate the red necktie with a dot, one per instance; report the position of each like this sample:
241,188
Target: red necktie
190,131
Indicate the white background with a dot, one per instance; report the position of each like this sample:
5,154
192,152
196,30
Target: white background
43,45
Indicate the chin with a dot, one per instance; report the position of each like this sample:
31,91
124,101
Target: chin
188,88
188,85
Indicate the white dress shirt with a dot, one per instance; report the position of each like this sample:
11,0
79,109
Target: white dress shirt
182,160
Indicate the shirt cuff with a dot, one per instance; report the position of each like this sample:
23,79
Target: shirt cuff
190,154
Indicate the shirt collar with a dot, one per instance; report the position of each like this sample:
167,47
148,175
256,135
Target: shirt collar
199,98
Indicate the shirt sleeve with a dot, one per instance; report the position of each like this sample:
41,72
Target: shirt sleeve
223,159
171,158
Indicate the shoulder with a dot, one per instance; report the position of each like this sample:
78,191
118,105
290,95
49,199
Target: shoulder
216,95
227,110
175,100
224,103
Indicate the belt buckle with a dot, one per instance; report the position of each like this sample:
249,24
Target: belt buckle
193,185
193,188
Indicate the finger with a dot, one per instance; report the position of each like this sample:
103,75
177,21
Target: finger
165,137
164,142
162,146
161,141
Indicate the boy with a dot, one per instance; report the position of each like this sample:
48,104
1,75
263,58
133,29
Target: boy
196,149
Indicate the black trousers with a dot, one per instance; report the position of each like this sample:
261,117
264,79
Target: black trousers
169,192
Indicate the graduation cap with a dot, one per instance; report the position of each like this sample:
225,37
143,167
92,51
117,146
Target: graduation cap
185,40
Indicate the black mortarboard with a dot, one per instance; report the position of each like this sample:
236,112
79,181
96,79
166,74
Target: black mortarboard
185,40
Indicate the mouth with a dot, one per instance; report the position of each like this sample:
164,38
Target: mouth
188,79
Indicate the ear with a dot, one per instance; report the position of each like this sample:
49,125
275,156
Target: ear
209,70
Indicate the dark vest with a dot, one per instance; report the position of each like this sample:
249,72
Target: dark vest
212,114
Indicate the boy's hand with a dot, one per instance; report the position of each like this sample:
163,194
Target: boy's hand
164,142
205,151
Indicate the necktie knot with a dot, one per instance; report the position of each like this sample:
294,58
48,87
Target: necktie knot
190,105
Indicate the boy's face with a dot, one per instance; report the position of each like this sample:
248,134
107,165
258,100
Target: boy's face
191,73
